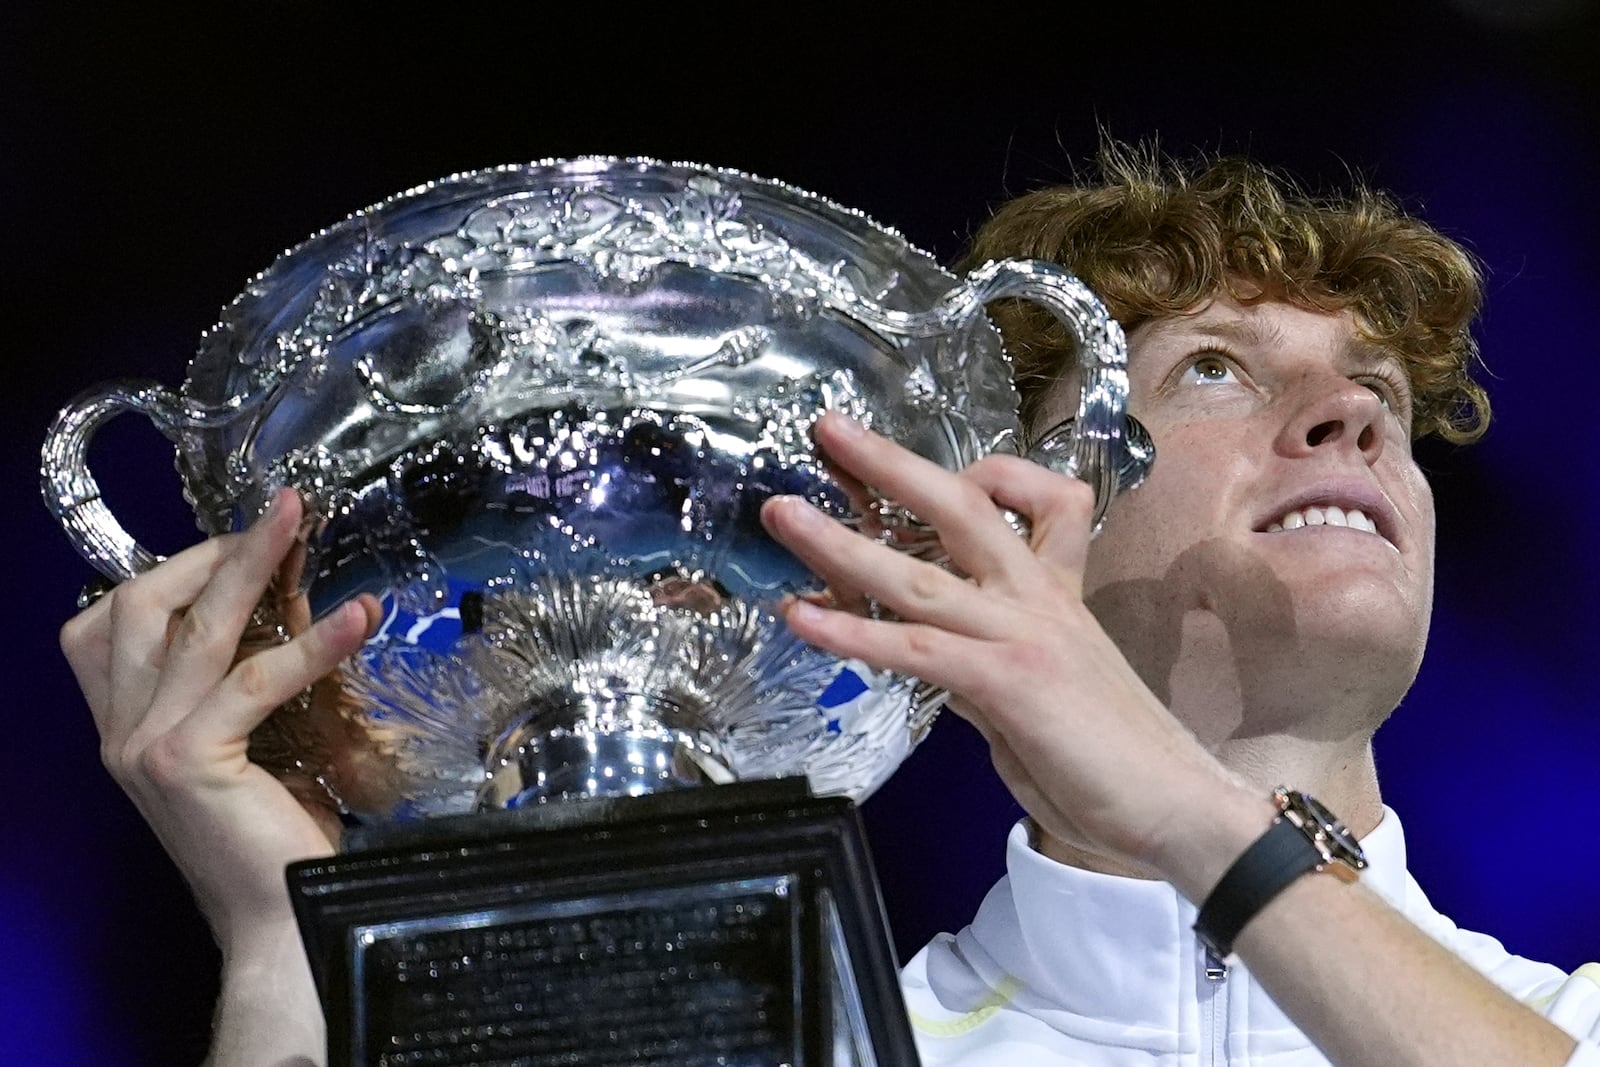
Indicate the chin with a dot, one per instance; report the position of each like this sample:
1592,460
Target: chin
1370,653
1364,610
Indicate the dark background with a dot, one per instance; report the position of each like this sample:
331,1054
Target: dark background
150,164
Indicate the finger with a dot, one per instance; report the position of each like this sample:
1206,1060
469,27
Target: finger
86,642
864,518
859,497
974,534
1059,509
373,609
911,588
922,651
138,616
258,685
294,607
204,647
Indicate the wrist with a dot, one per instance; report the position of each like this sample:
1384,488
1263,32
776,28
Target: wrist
1304,837
1209,835
266,942
268,1010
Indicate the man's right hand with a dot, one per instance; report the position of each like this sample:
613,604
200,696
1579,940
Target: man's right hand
156,659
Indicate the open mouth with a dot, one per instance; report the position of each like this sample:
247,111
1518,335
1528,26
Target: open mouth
1352,518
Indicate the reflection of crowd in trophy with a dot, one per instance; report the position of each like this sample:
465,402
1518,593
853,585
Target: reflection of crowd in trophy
1180,701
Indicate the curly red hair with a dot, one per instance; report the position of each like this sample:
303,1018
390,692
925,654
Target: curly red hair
1155,237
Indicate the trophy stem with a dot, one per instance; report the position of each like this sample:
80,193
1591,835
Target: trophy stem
574,745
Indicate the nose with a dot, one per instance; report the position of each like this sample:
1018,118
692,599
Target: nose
1335,412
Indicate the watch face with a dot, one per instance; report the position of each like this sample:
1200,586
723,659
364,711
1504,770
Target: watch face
1341,842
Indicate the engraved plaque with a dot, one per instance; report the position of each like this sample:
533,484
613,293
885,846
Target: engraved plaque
727,926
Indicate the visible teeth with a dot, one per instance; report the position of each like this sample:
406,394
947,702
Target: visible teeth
1327,515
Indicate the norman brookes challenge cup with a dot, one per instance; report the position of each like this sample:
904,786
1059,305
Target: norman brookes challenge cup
536,410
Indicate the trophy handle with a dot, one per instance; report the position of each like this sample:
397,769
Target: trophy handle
70,491
1102,444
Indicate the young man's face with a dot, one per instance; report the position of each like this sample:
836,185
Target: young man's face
1282,547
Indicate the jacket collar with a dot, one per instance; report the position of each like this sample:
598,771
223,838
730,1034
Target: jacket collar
1114,958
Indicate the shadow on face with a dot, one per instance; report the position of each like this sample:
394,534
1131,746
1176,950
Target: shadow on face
1218,639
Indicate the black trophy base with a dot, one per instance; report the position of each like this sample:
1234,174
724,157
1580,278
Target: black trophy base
734,925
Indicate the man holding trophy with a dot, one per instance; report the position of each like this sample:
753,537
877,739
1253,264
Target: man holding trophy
1179,685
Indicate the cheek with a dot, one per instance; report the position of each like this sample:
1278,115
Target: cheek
1181,505
1425,508
1414,496
1426,530
1138,540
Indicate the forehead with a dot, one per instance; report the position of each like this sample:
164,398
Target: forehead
1267,326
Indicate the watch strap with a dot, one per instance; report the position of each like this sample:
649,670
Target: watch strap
1266,868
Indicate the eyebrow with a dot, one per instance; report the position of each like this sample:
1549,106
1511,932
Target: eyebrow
1254,332
1368,351
1241,331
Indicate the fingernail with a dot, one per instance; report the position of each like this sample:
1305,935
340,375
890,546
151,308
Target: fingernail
800,512
353,612
847,426
805,611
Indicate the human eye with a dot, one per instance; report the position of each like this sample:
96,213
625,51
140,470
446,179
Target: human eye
1391,387
1381,389
1209,367
1205,373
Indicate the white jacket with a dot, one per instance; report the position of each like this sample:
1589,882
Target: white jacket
1062,966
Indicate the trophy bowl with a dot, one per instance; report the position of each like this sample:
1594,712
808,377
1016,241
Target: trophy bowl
536,410
599,801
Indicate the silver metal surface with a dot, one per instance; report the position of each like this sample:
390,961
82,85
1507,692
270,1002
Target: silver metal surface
536,410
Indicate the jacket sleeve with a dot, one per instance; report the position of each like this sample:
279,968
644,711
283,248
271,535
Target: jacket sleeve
1574,1005
1586,1055
1571,1001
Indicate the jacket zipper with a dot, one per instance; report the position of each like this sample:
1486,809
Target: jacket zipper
1216,1009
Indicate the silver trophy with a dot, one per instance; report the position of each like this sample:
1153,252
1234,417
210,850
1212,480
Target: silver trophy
536,410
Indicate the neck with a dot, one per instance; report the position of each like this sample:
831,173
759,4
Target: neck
1341,774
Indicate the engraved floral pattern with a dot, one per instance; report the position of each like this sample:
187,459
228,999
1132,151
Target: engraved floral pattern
489,385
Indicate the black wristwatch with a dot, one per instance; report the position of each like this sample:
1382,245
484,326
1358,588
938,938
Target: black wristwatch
1304,837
